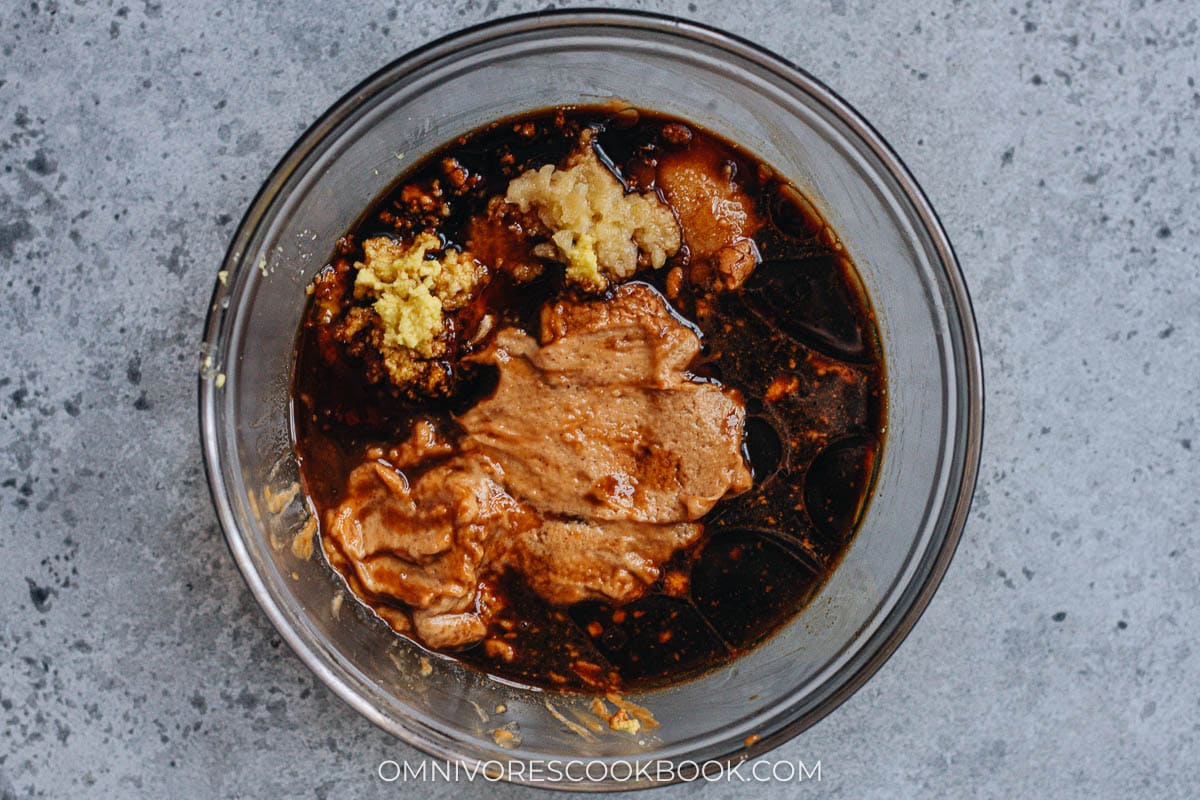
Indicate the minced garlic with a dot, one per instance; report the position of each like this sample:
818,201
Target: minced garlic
621,721
412,292
600,232
583,265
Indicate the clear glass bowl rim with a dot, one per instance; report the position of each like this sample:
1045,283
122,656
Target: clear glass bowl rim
968,443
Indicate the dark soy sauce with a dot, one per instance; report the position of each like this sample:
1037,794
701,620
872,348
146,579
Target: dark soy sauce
798,340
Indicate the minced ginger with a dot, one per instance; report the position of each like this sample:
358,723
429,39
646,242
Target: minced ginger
412,293
600,232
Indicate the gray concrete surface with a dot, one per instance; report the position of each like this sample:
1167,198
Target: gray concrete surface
1060,143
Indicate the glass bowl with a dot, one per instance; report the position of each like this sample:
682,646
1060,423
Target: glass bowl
924,482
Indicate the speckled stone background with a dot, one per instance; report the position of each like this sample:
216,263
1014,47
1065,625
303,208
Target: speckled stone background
1059,141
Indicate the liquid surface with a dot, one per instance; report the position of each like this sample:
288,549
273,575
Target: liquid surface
797,340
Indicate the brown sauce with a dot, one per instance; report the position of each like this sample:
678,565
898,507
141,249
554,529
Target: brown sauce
798,340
